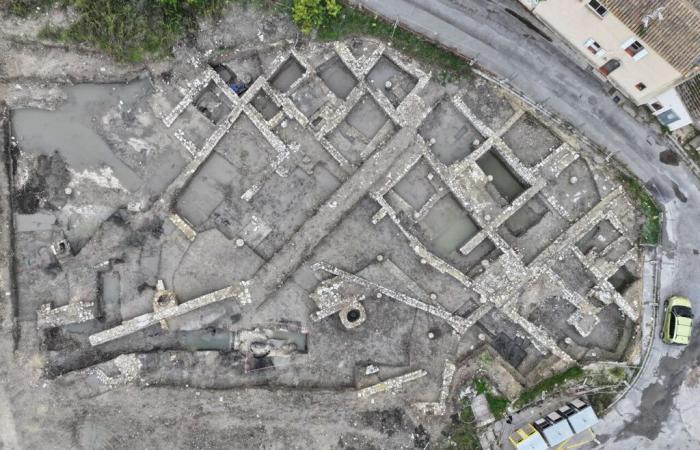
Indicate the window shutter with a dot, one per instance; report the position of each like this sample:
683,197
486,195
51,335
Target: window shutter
641,54
627,43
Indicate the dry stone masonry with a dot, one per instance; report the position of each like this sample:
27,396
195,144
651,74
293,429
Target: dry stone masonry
337,204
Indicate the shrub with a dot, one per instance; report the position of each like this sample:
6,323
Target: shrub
548,385
651,231
498,405
313,14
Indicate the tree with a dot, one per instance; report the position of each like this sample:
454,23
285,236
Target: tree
313,14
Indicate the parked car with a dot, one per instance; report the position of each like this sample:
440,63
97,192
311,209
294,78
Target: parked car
678,320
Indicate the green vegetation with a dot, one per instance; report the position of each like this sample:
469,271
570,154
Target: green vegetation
606,385
692,153
350,22
486,358
652,225
481,386
641,31
601,400
464,436
498,405
314,14
606,377
548,385
618,373
24,8
128,30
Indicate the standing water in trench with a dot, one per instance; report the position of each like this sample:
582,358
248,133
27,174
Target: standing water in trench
71,128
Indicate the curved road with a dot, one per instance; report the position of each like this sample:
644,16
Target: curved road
660,411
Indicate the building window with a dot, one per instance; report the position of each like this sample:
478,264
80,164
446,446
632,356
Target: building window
598,7
635,49
657,106
609,67
640,86
667,118
594,47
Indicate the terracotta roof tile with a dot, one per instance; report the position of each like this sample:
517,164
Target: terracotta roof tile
676,37
690,93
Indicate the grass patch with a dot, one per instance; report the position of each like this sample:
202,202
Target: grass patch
612,383
618,373
351,22
481,386
548,385
463,435
25,8
652,224
498,405
606,377
129,30
601,400
486,358
691,152
51,33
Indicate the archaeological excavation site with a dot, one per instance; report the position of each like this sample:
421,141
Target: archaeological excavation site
306,230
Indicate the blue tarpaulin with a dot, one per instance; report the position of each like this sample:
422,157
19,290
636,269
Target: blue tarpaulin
238,88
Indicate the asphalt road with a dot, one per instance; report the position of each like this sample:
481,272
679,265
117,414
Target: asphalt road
660,410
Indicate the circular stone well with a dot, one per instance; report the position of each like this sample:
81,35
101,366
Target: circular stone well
353,315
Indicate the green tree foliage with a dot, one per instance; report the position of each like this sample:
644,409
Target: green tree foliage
314,14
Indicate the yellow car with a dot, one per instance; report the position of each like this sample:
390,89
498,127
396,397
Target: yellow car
678,320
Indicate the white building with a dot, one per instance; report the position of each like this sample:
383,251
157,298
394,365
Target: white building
644,48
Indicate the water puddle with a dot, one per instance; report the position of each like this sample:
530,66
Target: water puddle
109,284
504,180
622,279
528,24
455,234
525,218
669,157
679,194
70,129
449,226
